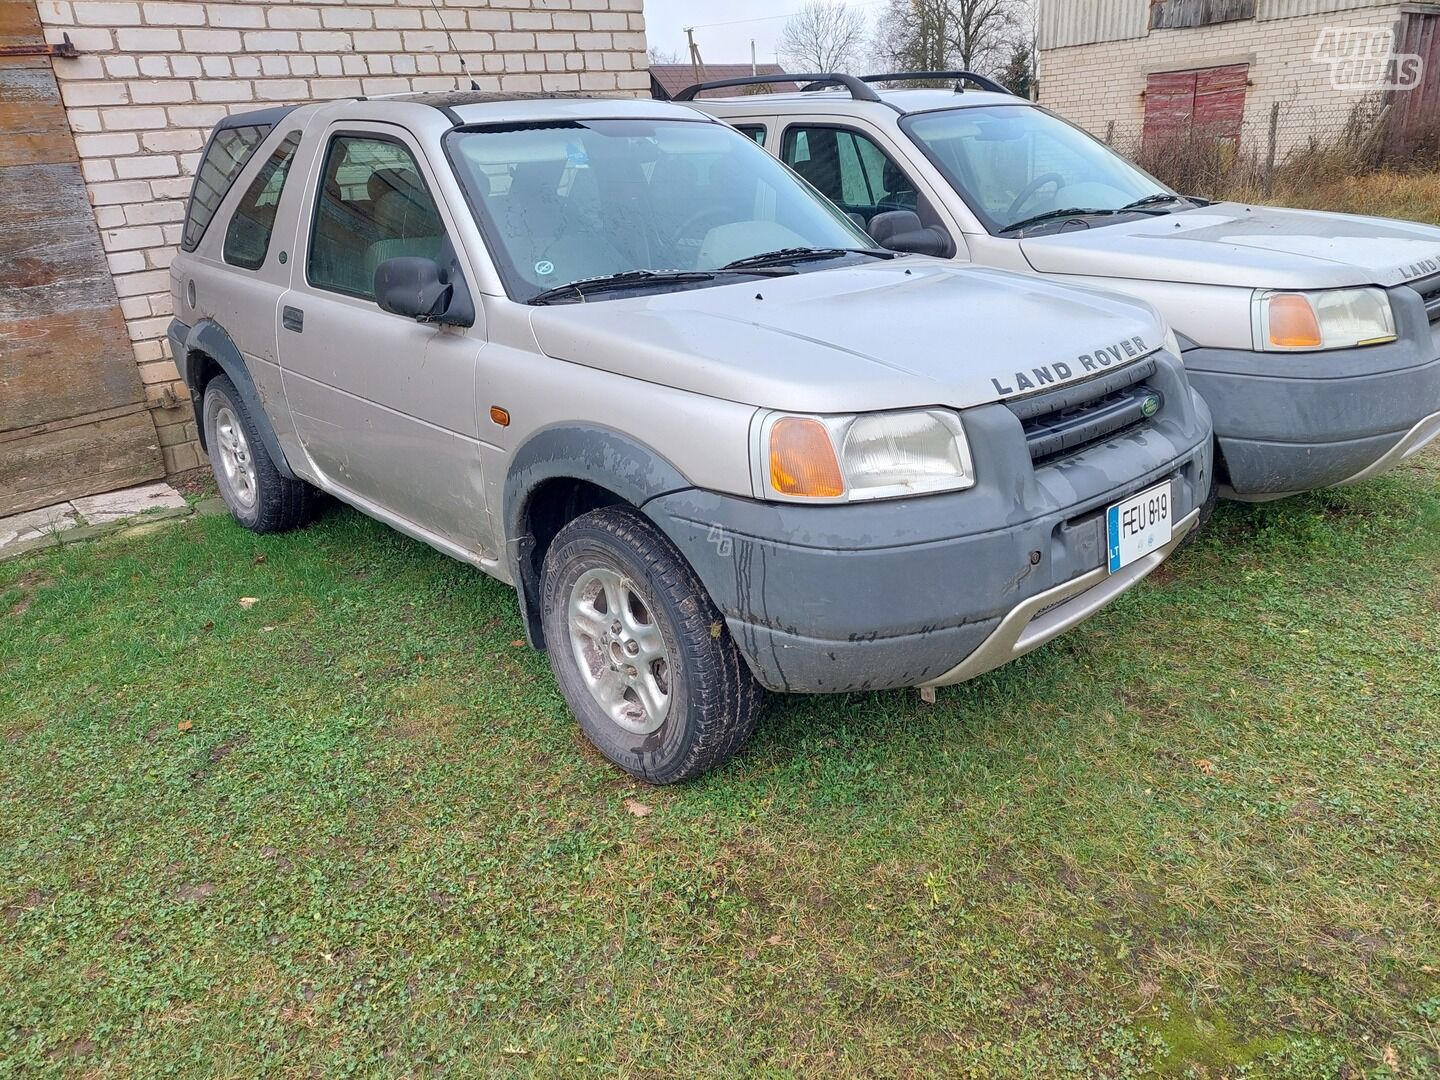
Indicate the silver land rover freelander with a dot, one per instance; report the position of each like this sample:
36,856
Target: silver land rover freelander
613,354
1314,338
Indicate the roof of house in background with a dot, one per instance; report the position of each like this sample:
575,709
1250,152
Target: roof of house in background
672,78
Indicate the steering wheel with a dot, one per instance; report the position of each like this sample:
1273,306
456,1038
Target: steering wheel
1030,190
713,215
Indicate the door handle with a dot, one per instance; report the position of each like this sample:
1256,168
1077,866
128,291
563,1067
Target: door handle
292,318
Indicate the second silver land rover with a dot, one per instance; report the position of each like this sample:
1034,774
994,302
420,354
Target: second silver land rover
1314,338
611,353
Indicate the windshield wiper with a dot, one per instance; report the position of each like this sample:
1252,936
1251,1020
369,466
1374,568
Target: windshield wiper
1050,215
628,279
1158,199
1147,205
785,256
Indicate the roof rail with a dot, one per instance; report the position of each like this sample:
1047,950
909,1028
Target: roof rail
983,82
858,90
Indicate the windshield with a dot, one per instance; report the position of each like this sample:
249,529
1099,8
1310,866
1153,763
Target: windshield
568,201
1012,163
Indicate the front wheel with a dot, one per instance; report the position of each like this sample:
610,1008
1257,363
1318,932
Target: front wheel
644,659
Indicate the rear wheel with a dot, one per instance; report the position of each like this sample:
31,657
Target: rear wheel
643,657
255,492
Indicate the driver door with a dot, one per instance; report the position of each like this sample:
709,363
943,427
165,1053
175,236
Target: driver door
385,407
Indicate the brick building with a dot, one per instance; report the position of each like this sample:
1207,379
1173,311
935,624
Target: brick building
117,119
1149,69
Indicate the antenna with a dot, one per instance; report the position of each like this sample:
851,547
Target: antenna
444,26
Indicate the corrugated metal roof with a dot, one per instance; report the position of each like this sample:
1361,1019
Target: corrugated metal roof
1082,22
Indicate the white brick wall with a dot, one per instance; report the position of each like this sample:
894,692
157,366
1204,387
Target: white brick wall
154,76
1094,85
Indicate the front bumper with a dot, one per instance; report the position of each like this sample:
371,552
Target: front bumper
935,590
1293,422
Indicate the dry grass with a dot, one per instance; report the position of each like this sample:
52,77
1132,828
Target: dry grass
1387,194
1349,175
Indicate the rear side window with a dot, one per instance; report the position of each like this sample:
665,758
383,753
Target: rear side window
247,240
229,150
752,131
373,206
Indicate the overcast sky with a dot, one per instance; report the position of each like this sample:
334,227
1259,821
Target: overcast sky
742,20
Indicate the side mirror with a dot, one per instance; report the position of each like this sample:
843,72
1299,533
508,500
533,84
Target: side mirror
902,230
418,289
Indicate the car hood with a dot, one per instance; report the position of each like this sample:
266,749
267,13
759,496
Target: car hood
1250,246
875,336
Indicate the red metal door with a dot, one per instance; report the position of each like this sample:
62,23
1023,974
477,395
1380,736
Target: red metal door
1207,103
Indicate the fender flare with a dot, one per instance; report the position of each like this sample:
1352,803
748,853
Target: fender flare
573,451
209,337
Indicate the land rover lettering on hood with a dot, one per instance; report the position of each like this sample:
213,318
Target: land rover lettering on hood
718,439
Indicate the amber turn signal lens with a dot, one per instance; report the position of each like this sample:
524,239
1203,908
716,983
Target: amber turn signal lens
802,460
1293,324
499,416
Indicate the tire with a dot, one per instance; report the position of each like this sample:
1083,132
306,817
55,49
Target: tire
663,720
257,496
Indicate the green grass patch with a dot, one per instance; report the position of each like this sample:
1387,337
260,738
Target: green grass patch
351,828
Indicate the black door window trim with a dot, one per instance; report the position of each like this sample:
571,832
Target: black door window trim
335,136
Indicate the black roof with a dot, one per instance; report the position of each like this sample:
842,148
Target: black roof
256,117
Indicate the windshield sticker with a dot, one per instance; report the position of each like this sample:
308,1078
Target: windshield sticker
544,268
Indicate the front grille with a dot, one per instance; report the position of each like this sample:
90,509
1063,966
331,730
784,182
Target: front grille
1070,418
1429,291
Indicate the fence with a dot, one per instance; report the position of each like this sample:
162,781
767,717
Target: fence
1287,137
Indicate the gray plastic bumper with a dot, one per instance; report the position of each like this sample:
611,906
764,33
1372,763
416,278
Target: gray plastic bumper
934,590
1045,617
1293,422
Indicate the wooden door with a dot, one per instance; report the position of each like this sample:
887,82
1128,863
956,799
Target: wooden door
73,418
1414,126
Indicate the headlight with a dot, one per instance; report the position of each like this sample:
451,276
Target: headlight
1336,319
870,456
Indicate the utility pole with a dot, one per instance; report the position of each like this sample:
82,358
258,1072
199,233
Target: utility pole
754,67
697,65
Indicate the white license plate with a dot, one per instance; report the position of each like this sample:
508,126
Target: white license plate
1139,525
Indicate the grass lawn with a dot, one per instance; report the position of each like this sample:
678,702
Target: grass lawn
351,828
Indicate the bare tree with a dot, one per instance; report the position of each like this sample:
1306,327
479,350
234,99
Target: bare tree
823,37
983,32
930,35
911,36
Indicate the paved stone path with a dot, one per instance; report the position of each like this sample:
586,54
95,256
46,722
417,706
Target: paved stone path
51,524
